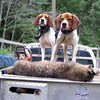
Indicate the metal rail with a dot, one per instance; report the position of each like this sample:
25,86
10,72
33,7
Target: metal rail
17,43
37,44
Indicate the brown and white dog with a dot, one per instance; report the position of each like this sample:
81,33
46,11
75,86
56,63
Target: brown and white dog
67,23
47,34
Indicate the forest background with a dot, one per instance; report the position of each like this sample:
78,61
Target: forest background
16,17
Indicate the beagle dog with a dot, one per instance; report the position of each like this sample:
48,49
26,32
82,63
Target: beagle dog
46,32
67,24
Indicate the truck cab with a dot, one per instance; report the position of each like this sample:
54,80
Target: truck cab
84,54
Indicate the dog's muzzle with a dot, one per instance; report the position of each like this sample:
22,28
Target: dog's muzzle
64,26
42,21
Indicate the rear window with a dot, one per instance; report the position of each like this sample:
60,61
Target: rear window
48,51
83,53
83,61
80,53
36,50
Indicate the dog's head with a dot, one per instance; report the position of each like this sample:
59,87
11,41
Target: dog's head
43,20
67,21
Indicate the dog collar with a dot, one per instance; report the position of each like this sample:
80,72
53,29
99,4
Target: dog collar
66,31
43,29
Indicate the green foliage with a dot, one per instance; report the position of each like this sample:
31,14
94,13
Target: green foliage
88,12
20,19
4,51
71,6
23,12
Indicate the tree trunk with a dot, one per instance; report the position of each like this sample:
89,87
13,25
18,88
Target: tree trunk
9,5
1,12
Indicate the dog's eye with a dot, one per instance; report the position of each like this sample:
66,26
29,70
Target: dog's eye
46,17
69,19
40,17
62,18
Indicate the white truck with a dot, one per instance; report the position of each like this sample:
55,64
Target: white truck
51,88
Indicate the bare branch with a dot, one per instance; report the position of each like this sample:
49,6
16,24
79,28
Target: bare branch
1,12
9,5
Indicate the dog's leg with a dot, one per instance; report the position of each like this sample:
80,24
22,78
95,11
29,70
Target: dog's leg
54,51
65,52
43,51
75,46
55,57
56,46
74,51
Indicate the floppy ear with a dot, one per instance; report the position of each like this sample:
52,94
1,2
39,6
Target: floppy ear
50,22
75,22
36,21
58,21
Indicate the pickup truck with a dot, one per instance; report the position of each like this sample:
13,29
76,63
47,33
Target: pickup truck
84,54
50,88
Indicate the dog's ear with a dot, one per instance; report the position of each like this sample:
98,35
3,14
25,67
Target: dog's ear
50,21
58,21
75,22
36,21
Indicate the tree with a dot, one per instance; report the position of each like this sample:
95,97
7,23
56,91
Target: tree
90,23
88,12
5,19
17,17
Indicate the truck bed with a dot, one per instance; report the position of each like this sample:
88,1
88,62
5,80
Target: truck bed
52,88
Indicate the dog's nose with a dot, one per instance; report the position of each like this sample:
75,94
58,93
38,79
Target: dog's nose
42,20
64,24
